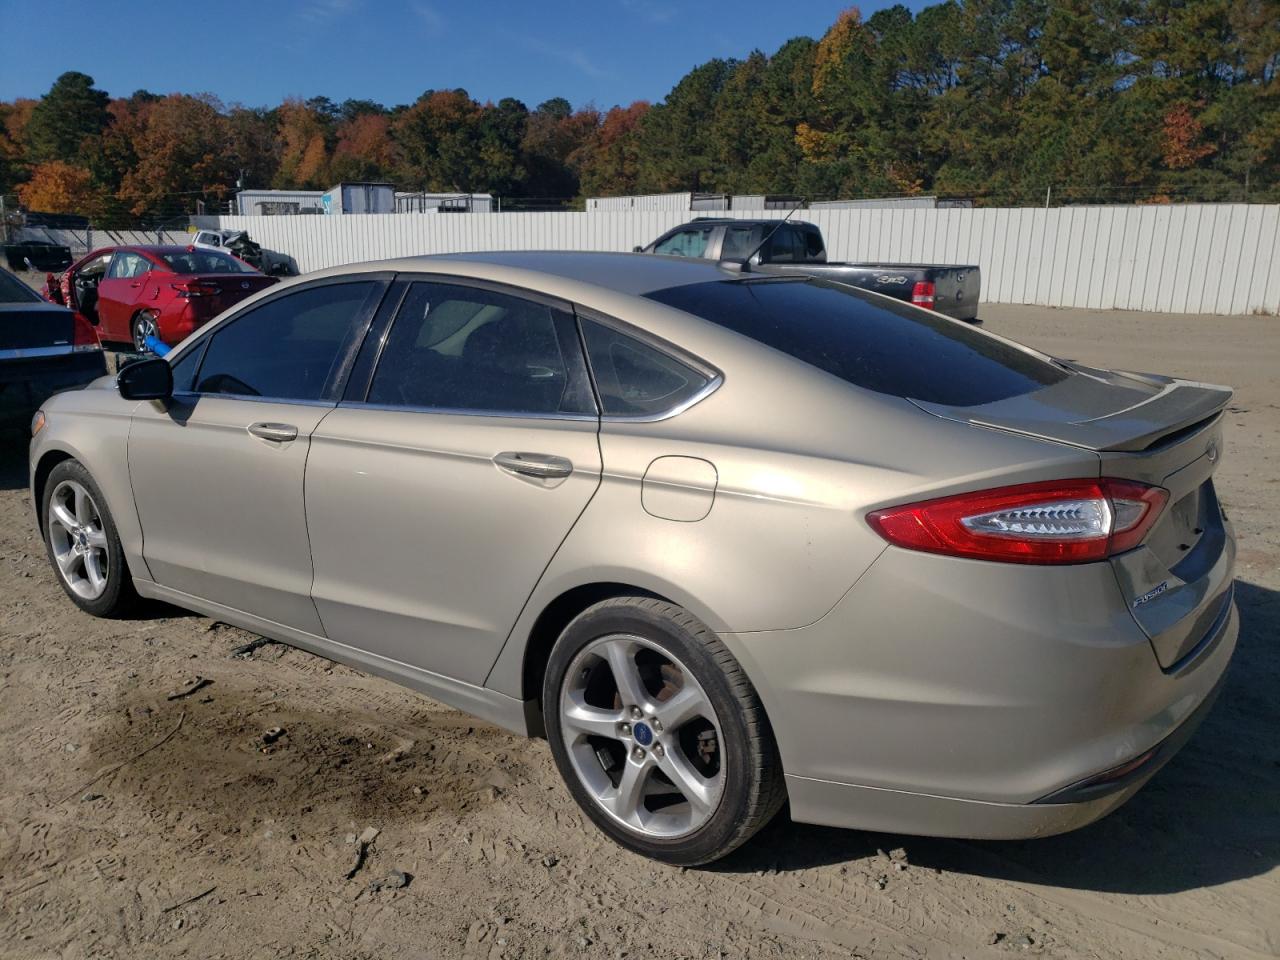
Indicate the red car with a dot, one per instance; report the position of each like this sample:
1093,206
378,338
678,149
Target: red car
131,293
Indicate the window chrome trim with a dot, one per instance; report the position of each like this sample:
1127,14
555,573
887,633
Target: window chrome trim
192,396
465,412
709,388
29,353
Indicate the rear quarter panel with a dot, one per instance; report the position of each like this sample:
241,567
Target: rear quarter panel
799,459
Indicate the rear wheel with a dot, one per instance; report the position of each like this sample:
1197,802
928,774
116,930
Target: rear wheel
658,733
83,545
145,325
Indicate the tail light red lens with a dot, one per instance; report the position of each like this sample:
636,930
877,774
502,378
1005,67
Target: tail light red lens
922,294
83,334
1061,521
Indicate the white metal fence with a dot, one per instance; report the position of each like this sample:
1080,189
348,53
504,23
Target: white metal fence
1186,258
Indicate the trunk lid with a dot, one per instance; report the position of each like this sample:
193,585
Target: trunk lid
1103,410
229,289
1155,430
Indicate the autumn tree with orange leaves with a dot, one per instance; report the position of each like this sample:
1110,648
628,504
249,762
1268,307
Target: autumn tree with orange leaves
995,102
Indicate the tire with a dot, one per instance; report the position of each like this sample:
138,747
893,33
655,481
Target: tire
144,325
716,746
93,544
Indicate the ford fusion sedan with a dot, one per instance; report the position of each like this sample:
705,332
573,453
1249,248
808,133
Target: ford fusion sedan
165,292
726,540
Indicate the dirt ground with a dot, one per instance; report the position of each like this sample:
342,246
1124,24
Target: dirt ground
136,826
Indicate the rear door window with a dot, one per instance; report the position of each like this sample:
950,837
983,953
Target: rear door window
455,347
289,348
738,242
787,246
882,346
635,379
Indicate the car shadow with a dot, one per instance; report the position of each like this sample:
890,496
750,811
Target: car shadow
13,458
1209,817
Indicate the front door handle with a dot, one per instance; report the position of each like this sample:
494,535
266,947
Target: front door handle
540,466
278,432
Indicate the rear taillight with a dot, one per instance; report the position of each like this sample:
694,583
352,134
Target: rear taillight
1061,521
195,288
83,334
922,294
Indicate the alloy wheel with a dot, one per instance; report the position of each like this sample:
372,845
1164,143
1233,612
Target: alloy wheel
78,540
144,326
642,736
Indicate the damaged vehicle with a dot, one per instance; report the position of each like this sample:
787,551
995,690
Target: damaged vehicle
165,292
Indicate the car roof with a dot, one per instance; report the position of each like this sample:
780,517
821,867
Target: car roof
635,274
743,221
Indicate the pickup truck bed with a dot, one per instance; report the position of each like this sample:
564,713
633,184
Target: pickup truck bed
796,247
952,290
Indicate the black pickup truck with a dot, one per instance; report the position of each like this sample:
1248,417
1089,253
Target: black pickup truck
797,247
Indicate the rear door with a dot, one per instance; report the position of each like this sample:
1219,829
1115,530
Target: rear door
118,294
217,473
442,485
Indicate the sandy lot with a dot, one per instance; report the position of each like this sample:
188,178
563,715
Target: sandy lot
132,826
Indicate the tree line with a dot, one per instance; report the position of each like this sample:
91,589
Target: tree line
999,101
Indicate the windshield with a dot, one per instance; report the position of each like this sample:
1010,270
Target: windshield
13,290
867,340
204,261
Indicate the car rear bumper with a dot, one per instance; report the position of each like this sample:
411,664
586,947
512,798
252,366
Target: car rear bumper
964,698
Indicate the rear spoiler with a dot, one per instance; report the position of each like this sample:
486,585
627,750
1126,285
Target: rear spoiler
1177,409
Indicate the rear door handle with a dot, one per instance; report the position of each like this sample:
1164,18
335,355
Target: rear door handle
540,466
279,432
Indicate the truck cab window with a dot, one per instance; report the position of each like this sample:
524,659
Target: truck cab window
685,243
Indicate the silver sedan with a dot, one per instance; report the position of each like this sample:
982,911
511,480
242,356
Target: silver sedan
726,540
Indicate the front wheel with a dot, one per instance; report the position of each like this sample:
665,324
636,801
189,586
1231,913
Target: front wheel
658,733
83,545
144,325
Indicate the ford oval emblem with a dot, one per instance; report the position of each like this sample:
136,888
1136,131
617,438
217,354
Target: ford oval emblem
244,284
1211,451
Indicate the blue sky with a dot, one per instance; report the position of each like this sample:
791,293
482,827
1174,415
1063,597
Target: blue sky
606,51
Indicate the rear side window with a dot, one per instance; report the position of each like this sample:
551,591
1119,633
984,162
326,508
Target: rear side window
13,290
738,242
288,348
197,260
635,379
788,245
463,348
876,345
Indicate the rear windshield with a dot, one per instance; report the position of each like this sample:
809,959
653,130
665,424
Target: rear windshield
204,261
13,290
869,341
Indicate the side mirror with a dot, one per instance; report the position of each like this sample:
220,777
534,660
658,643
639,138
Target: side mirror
146,380
637,249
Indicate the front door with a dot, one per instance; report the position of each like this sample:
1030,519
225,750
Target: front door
438,495
218,473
